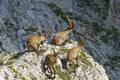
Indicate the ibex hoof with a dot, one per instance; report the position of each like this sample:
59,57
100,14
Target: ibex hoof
51,77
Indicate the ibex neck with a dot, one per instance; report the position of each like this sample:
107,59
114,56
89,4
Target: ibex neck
67,32
77,48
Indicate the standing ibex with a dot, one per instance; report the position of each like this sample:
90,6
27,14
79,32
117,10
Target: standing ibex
61,37
35,40
73,53
50,63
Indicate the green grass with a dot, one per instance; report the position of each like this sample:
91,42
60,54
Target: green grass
62,75
34,78
84,60
69,41
22,66
6,76
65,50
27,61
41,52
16,73
1,59
9,62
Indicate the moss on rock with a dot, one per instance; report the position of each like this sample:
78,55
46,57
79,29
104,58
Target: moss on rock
84,60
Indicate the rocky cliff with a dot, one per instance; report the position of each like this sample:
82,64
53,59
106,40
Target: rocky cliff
98,20
29,65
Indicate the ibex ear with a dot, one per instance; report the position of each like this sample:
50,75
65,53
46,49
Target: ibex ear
40,30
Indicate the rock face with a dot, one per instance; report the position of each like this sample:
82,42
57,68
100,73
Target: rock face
98,20
28,66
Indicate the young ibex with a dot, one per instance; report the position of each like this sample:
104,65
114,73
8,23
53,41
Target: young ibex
35,40
73,53
61,37
50,64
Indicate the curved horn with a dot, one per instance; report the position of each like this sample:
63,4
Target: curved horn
40,30
83,40
70,22
49,32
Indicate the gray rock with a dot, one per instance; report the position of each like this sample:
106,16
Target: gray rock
28,66
98,20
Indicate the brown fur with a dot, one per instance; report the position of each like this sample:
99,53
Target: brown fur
50,62
35,40
61,37
72,55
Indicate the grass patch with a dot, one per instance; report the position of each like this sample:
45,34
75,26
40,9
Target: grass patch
34,78
65,50
14,56
62,75
84,60
69,41
41,52
22,66
1,59
27,61
11,57
6,76
16,73
9,62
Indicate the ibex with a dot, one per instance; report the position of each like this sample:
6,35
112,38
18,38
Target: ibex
61,37
35,40
50,64
73,53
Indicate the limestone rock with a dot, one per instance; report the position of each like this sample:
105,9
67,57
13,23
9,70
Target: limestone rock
28,65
